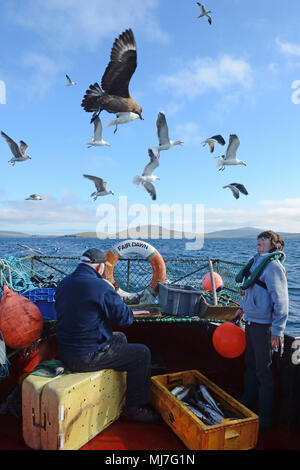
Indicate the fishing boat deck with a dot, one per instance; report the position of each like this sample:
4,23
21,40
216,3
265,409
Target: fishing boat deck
177,347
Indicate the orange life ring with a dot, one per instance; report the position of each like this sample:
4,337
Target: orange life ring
146,250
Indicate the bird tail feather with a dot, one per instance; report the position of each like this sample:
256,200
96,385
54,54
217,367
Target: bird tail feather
92,98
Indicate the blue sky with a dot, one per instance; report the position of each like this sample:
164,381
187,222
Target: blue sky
234,76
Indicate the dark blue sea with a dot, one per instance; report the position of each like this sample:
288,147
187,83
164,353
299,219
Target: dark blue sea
234,249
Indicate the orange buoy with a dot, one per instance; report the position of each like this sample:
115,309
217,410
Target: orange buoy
229,340
21,321
206,282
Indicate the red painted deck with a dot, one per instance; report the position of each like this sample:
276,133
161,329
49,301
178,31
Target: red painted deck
181,347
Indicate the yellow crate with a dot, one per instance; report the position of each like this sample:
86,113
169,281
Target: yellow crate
233,434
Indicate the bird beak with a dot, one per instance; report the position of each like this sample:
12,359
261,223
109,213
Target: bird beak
181,143
141,117
244,164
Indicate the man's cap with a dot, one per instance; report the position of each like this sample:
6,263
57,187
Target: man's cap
93,255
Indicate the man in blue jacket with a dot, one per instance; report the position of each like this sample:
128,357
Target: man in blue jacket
265,309
87,307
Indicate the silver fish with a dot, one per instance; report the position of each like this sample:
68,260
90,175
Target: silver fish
209,399
199,415
184,393
177,390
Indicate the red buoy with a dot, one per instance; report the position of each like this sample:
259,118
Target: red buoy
206,282
229,340
21,321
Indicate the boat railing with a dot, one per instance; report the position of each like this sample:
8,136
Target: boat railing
132,273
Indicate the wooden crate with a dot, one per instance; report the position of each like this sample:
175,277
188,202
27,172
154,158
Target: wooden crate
238,434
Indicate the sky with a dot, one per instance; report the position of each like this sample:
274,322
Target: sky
239,75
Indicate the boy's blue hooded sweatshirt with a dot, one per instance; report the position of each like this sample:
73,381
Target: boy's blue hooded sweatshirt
269,305
87,306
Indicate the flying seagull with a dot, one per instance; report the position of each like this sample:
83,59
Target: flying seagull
163,135
212,140
97,137
113,95
122,118
230,157
18,151
70,83
101,186
204,12
236,188
34,197
147,178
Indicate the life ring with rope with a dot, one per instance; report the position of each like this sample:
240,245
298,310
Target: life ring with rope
146,250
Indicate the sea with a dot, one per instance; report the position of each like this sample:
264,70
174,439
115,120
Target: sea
231,249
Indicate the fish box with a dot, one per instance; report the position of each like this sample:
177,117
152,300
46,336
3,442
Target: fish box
44,300
183,301
238,433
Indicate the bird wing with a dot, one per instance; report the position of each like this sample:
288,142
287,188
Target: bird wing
233,145
219,139
97,129
12,145
150,189
209,19
154,163
68,78
234,190
123,62
23,147
240,187
162,129
202,7
99,182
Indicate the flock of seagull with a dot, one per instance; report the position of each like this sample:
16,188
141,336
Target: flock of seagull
113,96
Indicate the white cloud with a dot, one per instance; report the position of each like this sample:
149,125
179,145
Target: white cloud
202,74
42,70
69,24
284,219
52,216
288,48
189,132
283,203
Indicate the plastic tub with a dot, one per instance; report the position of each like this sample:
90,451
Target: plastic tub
179,300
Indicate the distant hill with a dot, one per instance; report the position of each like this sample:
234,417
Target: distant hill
244,232
3,233
157,232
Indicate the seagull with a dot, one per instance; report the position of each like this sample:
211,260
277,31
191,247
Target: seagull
34,197
19,152
212,140
230,155
147,177
204,12
70,83
100,186
113,95
236,188
163,135
97,138
122,118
